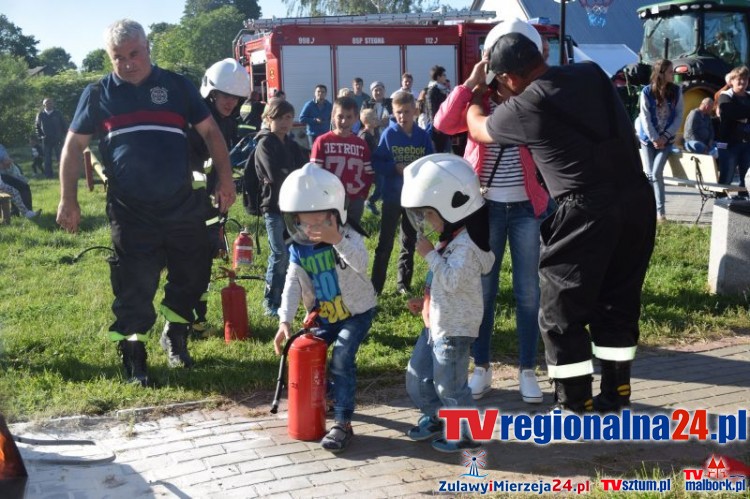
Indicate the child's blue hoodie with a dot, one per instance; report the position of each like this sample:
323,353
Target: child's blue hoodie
397,147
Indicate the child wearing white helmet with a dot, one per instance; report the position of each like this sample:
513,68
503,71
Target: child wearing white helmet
442,194
328,272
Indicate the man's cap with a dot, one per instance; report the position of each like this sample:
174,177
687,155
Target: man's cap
376,84
515,52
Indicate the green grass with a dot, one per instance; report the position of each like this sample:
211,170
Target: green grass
57,361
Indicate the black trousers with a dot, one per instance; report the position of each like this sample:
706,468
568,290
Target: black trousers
148,240
593,261
392,217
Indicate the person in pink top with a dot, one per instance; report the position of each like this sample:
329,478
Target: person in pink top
517,205
347,156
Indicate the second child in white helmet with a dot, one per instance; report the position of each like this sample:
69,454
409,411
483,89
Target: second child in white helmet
224,87
328,264
441,194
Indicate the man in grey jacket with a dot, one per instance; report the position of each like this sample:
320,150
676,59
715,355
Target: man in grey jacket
51,129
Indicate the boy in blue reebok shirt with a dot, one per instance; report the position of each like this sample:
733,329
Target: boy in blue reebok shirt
401,143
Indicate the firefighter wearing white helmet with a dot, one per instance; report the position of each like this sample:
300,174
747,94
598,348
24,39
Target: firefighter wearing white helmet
224,86
328,273
441,192
226,76
595,249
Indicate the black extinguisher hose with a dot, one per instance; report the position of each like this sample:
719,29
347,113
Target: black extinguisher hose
282,370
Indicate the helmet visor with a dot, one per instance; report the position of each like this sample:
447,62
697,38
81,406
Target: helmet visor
417,220
300,228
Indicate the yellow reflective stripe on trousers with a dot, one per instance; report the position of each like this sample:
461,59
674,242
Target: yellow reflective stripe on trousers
570,370
618,354
171,315
115,336
204,296
212,221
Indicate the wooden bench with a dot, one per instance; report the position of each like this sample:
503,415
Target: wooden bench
700,171
5,208
92,165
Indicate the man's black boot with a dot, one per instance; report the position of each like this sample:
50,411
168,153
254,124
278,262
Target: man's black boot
174,342
134,361
615,387
573,394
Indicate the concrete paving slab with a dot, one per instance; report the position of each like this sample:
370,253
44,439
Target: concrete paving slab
253,457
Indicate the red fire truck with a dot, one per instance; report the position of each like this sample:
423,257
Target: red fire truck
295,54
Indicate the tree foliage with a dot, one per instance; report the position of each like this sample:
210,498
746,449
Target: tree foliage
316,8
197,42
248,8
157,29
16,100
96,61
55,60
13,42
21,97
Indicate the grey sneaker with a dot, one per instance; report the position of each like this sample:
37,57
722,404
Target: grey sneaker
426,428
447,446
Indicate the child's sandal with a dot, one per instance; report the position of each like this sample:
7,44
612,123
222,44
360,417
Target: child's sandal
338,438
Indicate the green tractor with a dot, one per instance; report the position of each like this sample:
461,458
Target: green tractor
704,39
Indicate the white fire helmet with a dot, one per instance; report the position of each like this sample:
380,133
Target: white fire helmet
227,76
310,189
444,182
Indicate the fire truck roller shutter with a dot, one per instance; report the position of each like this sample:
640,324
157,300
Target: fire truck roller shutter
420,58
371,63
302,68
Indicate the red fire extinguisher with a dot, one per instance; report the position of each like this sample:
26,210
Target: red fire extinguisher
242,250
234,307
307,383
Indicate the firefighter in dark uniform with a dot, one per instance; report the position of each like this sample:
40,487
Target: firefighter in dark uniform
224,86
597,245
141,114
251,114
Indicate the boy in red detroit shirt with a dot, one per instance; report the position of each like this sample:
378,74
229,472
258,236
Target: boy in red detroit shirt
346,156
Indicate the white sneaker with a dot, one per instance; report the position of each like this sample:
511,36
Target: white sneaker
32,214
480,382
529,386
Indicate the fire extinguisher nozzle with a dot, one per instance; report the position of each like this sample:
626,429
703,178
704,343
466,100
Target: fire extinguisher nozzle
275,407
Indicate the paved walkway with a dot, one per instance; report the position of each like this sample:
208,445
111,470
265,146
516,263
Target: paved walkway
241,451
683,205
230,453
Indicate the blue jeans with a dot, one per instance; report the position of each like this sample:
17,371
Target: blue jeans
437,375
735,155
653,163
516,224
346,336
278,260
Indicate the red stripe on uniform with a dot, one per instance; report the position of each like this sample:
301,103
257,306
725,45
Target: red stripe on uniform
163,118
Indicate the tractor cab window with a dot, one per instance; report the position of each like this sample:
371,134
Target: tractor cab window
726,36
669,37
